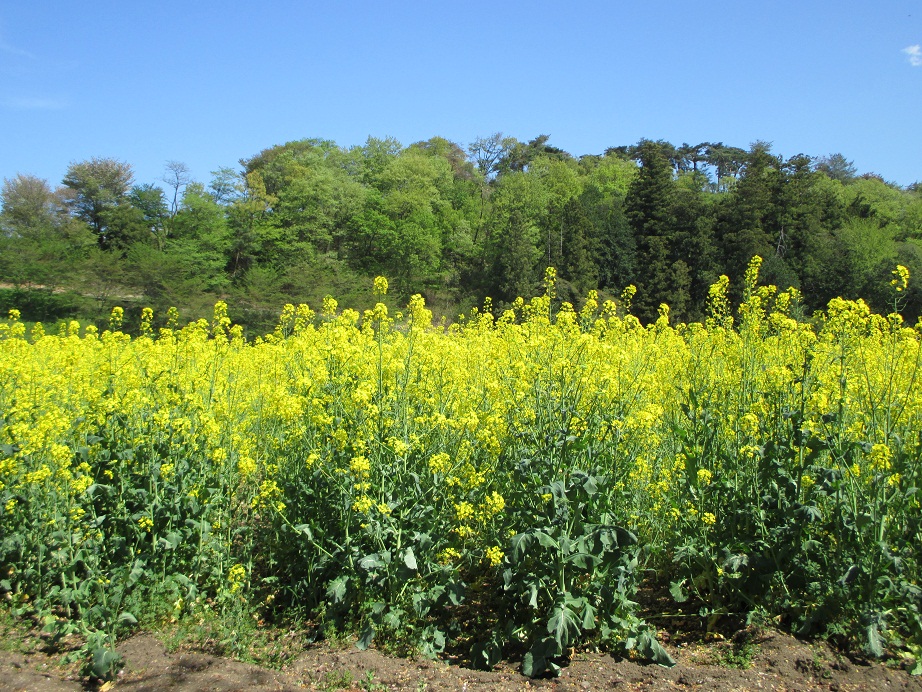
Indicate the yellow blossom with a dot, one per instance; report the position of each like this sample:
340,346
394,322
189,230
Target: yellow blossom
495,555
236,576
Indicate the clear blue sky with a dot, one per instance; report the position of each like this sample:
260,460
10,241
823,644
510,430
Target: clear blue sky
208,83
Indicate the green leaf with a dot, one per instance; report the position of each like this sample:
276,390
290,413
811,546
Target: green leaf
423,540
558,490
520,543
917,669
850,575
536,660
651,649
583,560
615,536
368,634
128,617
563,625
391,618
811,513
137,571
675,588
875,646
545,540
103,663
409,559
171,541
456,592
533,595
433,642
487,654
533,664
734,562
337,588
370,562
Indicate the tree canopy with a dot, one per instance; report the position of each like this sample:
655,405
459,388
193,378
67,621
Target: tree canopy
460,223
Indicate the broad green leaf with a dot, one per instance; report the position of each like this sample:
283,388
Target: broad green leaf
533,595
583,560
850,575
409,559
875,646
811,512
545,540
337,588
370,562
734,562
520,543
456,592
558,490
563,625
137,571
103,663
537,661
305,529
533,664
917,668
433,642
364,641
651,649
485,655
392,618
171,541
128,617
675,588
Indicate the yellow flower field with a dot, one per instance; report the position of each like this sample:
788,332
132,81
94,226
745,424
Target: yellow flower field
379,469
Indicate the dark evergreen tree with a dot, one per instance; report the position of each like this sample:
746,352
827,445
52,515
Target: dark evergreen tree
748,219
694,255
579,265
649,207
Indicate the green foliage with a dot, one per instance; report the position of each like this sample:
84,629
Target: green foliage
795,527
463,225
396,481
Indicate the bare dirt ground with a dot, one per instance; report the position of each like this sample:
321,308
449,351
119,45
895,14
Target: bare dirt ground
775,661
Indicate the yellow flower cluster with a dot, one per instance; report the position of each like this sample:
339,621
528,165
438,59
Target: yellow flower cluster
236,577
376,415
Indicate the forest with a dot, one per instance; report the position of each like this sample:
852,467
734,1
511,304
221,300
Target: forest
456,224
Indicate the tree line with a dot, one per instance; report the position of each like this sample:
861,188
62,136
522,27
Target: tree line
303,219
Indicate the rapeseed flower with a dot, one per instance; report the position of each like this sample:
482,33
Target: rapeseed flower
494,555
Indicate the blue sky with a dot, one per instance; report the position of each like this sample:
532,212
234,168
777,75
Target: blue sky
208,83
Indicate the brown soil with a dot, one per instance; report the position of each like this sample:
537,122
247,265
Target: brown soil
777,662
